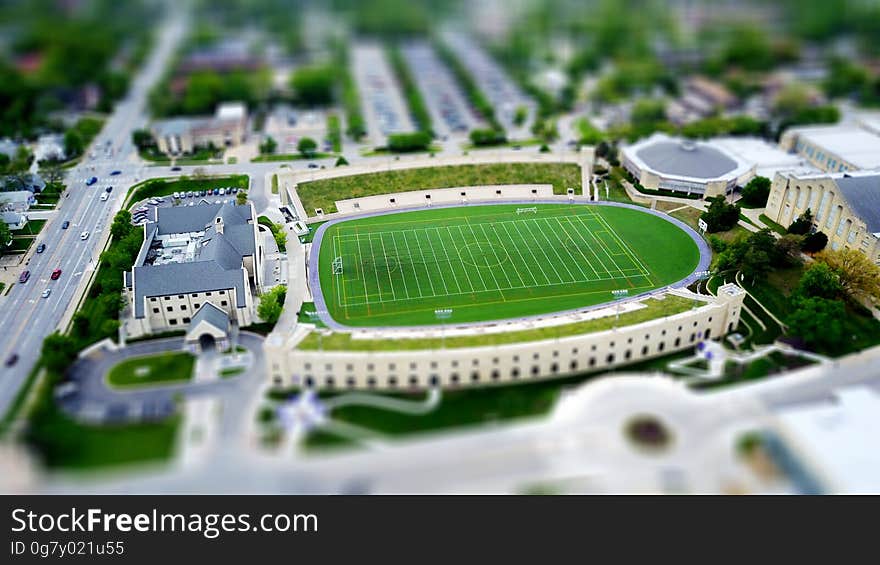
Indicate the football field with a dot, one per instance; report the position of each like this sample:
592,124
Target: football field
479,263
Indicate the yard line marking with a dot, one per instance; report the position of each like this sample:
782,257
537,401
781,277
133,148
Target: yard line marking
439,269
375,267
491,270
534,256
561,243
400,265
627,249
424,261
473,263
461,263
363,273
589,246
448,260
524,261
497,258
586,260
597,243
529,228
616,266
412,262
500,240
388,267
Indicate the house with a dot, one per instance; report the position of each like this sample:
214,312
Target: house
14,220
700,98
192,256
227,127
16,200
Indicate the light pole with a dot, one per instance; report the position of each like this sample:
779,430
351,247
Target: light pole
619,295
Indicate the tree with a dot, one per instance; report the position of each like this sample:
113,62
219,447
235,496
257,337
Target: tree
341,161
817,321
73,143
51,172
814,242
755,264
820,281
272,304
720,216
121,225
756,192
58,352
313,86
5,236
788,249
280,236
268,147
241,198
802,224
142,139
859,277
307,146
520,115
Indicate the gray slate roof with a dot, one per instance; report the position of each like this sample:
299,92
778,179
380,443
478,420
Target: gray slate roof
219,263
862,193
700,161
211,314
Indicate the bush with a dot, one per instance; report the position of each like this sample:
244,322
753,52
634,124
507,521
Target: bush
272,304
487,136
814,242
802,224
407,142
314,85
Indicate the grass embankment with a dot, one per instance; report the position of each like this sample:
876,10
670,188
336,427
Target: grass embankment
163,187
772,225
289,157
324,193
654,309
152,369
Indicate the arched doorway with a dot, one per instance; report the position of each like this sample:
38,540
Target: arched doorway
207,342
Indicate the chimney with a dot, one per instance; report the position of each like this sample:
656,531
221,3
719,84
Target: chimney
218,224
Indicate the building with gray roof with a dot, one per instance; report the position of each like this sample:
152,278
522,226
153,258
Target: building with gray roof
227,127
844,206
192,256
661,162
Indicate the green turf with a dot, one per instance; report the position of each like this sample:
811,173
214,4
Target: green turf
153,369
324,193
490,262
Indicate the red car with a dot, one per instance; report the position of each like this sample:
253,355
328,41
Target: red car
55,274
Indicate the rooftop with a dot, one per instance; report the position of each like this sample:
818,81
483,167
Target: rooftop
857,144
675,157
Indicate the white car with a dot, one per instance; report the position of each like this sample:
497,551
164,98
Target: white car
84,235
104,196
47,292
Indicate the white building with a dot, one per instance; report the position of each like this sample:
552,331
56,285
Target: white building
838,147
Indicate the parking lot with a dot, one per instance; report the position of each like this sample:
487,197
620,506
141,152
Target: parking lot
449,110
143,210
381,99
504,95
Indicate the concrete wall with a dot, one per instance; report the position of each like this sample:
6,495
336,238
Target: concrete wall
457,195
183,308
288,179
790,196
517,362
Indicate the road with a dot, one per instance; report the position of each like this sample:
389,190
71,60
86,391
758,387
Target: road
26,317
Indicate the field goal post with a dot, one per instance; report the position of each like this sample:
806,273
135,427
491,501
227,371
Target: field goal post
337,266
531,210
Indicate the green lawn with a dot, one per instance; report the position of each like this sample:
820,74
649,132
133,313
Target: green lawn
772,225
490,262
153,369
324,193
164,187
668,306
229,372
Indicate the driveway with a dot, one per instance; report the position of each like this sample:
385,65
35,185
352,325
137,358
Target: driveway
94,400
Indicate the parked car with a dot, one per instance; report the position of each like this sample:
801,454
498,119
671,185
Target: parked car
12,360
91,181
84,235
24,276
41,247
65,225
216,191
46,293
56,274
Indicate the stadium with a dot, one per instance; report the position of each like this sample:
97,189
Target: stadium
483,263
